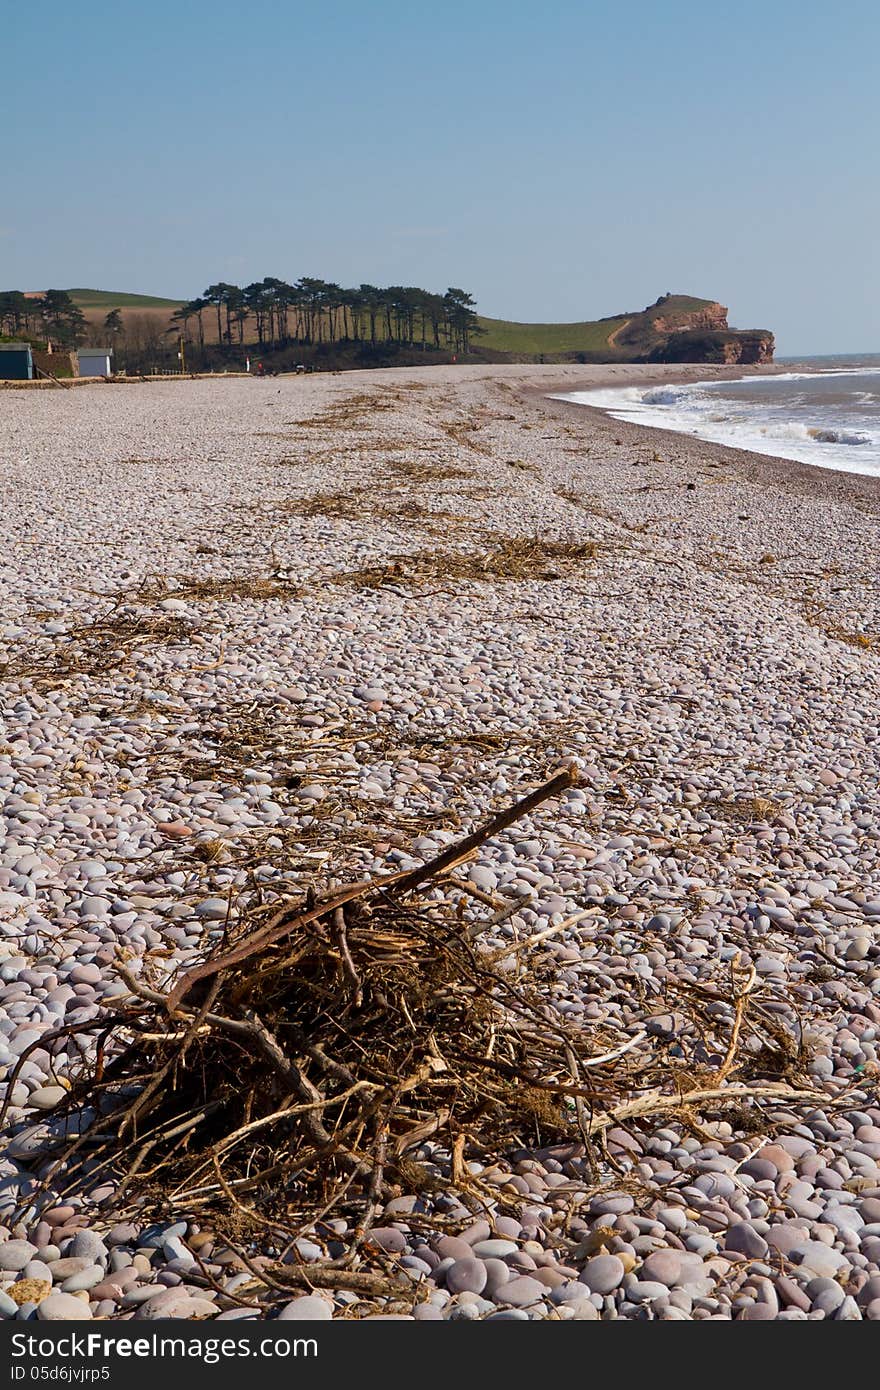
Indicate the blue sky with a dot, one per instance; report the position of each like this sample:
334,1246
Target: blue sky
561,161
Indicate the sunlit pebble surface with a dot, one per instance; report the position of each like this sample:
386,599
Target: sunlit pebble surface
705,656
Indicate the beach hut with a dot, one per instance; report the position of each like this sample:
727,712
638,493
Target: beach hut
94,361
16,362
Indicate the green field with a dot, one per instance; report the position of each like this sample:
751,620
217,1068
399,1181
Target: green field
500,335
107,299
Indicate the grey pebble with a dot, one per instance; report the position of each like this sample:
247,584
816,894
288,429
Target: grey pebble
745,1240
63,1307
85,1279
389,1239
8,1306
308,1308
603,1273
522,1291
467,1276
15,1254
494,1249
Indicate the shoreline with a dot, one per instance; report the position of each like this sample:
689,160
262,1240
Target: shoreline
785,473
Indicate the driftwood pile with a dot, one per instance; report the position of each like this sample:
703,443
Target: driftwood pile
294,1074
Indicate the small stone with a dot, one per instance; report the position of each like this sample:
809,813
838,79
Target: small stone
585,1311
495,1249
663,1267
88,1245
67,1266
29,1290
522,1292
59,1216
389,1239
603,1273
47,1097
780,1158
63,1307
645,1291
123,1234
483,878
848,1311
827,1300
132,1298
478,1230
497,1273
743,1239
453,1248
308,1308
84,1279
821,1260
213,909
15,1254
176,830
467,1276
184,1307
792,1294
758,1312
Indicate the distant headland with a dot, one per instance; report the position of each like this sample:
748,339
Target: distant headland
319,324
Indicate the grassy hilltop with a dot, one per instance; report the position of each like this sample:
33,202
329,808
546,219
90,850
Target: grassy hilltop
112,299
502,335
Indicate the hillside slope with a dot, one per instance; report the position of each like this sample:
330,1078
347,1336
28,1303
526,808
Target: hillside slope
112,299
500,335
677,327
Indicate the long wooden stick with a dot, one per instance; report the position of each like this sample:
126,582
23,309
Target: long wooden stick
50,377
529,941
655,1103
289,919
454,854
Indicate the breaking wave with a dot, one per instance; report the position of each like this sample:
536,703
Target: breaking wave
794,415
824,436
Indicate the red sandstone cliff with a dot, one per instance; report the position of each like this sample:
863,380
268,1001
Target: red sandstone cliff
681,329
713,318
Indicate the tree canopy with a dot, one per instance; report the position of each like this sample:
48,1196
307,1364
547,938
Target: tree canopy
52,315
319,311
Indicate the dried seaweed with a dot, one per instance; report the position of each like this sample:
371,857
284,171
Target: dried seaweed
92,648
504,558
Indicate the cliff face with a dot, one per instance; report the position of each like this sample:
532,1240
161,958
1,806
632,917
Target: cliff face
730,346
680,329
712,318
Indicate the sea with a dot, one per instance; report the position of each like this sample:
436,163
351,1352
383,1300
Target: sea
820,410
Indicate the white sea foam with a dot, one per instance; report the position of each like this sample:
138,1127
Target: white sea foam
823,436
815,423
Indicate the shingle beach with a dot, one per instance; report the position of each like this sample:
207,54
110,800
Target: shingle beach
260,634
